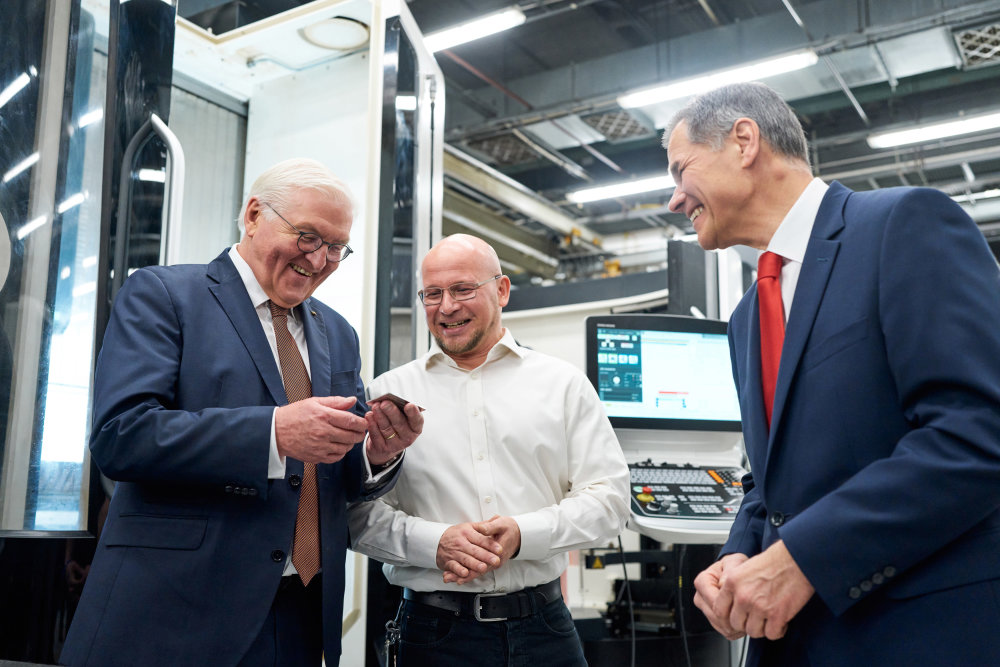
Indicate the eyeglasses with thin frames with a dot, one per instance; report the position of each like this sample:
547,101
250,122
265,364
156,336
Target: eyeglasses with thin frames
309,242
432,296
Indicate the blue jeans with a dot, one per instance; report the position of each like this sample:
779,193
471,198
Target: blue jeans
433,637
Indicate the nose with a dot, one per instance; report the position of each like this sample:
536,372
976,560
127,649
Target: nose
448,303
317,258
676,203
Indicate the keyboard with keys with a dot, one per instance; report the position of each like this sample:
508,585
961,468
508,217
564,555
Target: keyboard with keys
666,490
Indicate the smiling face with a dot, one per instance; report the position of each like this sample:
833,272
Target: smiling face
465,330
710,188
270,247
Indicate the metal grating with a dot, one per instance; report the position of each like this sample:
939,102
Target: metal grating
504,149
618,125
980,45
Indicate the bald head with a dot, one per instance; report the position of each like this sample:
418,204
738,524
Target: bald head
467,250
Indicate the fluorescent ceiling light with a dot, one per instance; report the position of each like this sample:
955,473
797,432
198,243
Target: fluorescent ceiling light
621,189
14,88
705,82
26,163
70,202
976,196
31,226
475,29
153,175
934,131
406,102
90,118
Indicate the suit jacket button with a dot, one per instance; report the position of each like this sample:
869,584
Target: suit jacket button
278,556
889,571
253,492
854,593
878,578
294,481
866,585
229,488
777,518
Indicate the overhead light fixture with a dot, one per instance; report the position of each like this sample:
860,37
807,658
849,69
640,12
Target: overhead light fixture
152,175
934,131
70,202
91,117
622,189
699,84
13,88
484,26
976,196
31,226
21,166
340,33
406,102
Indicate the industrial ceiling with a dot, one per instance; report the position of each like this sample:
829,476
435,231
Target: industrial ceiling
536,107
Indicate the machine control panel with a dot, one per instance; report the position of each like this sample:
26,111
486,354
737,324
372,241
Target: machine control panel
665,490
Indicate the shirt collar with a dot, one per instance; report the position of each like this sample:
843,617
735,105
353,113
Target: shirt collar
506,345
792,236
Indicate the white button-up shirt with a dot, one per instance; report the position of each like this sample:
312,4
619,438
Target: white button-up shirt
792,236
524,435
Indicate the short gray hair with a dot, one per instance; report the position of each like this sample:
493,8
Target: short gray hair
279,184
710,117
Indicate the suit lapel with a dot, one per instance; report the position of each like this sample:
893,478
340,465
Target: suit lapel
756,421
231,293
821,253
319,347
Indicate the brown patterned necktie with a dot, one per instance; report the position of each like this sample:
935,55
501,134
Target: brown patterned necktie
305,545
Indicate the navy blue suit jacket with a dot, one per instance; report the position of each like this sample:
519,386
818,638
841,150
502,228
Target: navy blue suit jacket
881,472
195,541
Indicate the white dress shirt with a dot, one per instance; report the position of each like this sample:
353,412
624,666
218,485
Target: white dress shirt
792,237
523,435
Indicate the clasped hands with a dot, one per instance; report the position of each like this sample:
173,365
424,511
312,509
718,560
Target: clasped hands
322,429
753,596
471,549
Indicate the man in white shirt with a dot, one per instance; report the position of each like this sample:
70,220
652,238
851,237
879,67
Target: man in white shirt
867,362
517,465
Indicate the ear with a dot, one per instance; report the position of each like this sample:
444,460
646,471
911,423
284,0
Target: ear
503,290
251,218
746,134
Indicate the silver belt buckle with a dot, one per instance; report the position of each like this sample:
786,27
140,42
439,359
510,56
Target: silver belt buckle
477,607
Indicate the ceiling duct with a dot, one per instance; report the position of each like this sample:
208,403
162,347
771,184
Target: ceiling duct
504,149
619,125
979,46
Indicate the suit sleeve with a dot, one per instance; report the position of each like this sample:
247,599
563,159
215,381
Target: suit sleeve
144,430
939,316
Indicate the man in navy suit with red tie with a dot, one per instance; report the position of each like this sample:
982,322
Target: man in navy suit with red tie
867,361
229,408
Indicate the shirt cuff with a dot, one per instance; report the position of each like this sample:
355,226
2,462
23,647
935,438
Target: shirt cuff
422,542
536,536
275,463
373,478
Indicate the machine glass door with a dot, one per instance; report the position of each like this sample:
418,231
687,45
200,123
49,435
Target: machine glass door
52,89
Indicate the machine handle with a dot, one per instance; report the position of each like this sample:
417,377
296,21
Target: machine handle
170,236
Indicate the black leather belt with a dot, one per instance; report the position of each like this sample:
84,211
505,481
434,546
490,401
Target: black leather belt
489,607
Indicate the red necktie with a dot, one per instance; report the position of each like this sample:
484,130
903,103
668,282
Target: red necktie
305,544
772,325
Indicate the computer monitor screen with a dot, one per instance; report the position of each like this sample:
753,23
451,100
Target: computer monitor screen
663,372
